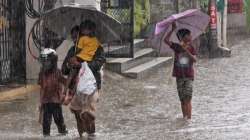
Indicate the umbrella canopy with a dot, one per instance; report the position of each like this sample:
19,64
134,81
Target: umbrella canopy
61,20
193,19
95,3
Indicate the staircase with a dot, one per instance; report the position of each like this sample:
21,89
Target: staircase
144,61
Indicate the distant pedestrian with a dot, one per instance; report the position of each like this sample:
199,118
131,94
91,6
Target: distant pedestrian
51,94
185,57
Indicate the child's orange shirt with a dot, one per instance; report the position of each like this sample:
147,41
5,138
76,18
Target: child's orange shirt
88,46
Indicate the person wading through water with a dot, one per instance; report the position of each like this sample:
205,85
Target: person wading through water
185,57
51,81
87,49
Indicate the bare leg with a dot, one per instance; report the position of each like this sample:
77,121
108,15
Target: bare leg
189,109
183,109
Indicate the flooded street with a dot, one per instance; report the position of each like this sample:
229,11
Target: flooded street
150,109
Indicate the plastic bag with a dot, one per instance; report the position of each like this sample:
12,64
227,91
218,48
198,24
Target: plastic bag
87,83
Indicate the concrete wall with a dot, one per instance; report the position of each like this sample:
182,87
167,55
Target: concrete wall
236,20
32,65
161,9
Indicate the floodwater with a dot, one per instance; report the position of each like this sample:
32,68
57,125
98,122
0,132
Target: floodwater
149,109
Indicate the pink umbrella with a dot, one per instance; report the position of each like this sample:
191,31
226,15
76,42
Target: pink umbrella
193,19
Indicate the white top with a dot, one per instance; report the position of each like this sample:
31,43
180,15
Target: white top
47,51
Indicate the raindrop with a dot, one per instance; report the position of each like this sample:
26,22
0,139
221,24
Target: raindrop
150,87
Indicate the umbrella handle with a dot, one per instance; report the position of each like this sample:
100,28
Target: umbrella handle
77,41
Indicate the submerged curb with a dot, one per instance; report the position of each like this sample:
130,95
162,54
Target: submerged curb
14,93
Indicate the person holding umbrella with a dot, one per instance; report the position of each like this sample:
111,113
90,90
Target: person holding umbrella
87,49
68,68
188,25
185,57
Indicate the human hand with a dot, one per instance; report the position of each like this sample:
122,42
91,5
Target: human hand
74,62
174,26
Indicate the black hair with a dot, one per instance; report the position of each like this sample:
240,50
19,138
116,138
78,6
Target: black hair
90,25
53,58
182,33
75,29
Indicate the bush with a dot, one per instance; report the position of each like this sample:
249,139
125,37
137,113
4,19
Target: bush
141,15
247,11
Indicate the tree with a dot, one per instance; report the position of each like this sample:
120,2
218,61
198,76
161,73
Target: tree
247,10
142,15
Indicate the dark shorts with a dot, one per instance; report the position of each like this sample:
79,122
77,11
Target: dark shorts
184,88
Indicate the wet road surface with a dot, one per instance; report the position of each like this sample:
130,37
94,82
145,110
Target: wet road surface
149,109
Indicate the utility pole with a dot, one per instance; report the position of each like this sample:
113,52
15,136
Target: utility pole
224,25
213,45
194,4
176,4
219,25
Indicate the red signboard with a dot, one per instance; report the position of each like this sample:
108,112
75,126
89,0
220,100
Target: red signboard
235,6
213,17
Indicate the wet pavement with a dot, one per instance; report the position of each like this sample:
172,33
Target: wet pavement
150,110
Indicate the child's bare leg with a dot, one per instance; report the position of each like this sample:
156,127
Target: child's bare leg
183,109
189,109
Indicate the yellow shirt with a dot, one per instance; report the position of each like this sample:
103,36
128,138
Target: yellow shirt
88,47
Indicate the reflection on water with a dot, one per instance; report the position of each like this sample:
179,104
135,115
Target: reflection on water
149,109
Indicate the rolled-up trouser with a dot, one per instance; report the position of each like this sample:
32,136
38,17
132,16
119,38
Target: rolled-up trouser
184,88
84,108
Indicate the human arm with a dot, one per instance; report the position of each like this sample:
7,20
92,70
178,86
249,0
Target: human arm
98,61
167,38
62,79
65,65
40,83
75,65
191,54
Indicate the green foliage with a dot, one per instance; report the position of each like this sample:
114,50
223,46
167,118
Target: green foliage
220,5
141,15
204,5
247,11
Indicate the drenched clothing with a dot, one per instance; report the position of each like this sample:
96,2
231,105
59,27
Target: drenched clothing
53,110
50,99
183,71
88,46
95,65
184,88
83,125
51,86
84,108
183,64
